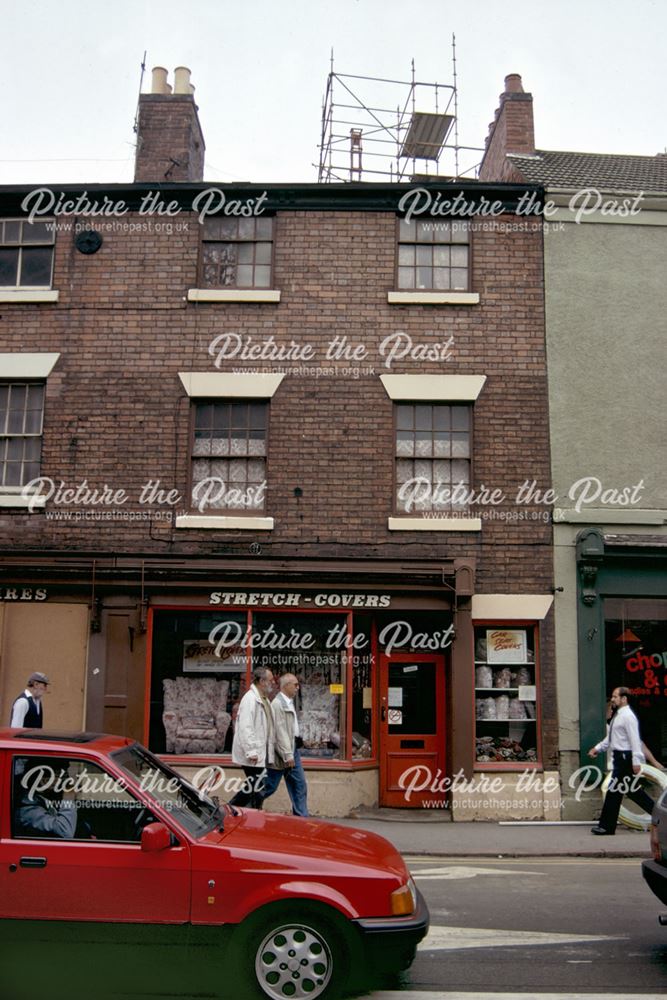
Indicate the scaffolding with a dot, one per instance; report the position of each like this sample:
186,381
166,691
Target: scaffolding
374,128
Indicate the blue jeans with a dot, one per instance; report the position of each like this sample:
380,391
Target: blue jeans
295,779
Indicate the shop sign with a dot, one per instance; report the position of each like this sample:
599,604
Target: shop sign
289,599
649,665
506,645
14,593
200,656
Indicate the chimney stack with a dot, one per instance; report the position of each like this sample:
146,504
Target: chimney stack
511,131
170,144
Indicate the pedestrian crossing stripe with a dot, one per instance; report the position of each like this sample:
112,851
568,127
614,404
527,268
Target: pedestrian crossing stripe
458,995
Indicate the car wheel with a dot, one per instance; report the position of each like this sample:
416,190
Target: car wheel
294,952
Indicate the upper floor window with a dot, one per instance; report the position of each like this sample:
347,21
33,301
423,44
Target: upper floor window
433,457
26,253
229,451
237,252
21,419
433,255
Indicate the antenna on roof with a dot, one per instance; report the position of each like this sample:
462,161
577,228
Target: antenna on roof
135,127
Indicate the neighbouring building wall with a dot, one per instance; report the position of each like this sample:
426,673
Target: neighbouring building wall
606,301
605,306
52,638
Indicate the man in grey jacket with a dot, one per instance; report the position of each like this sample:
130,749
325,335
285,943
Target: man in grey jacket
288,740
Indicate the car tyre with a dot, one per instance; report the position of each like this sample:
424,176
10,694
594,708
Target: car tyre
293,951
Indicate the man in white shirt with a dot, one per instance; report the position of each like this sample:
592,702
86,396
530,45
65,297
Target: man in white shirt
624,741
27,709
288,742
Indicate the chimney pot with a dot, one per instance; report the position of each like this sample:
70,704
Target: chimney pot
159,83
513,84
182,83
170,144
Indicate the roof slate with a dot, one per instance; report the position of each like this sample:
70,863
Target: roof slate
556,168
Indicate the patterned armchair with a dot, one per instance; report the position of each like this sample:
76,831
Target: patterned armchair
195,716
319,720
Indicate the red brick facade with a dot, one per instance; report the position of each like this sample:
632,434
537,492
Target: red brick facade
117,415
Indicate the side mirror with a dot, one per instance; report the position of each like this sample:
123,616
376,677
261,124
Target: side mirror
155,837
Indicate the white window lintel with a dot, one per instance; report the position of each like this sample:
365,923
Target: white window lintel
241,385
444,388
22,365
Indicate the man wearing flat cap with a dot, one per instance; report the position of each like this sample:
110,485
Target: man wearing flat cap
27,709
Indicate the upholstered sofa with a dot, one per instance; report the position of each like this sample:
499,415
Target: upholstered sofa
195,715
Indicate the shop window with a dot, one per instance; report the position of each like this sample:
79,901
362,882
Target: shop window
237,252
506,700
26,253
21,421
433,256
636,658
229,454
306,645
198,677
202,664
433,457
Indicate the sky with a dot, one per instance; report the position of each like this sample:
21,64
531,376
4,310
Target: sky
71,73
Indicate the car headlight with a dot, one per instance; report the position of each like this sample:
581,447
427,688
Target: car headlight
404,900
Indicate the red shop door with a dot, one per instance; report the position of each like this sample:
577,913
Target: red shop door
412,729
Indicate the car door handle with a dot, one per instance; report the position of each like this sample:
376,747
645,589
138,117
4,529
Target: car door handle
33,862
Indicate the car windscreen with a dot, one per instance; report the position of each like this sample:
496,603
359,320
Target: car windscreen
192,809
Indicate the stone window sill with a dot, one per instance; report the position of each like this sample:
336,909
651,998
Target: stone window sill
28,295
224,522
433,298
18,501
233,295
434,523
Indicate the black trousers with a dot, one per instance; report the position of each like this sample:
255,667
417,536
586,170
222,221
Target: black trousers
622,784
251,792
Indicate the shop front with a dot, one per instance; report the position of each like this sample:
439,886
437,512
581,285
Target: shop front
372,668
415,692
623,632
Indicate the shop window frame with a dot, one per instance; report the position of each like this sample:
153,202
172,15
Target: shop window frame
347,763
516,765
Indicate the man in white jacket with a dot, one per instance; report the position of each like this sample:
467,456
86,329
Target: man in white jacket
253,745
288,742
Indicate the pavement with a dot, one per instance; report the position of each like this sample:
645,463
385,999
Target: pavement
435,835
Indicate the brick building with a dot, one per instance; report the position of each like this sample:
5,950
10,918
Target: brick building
283,425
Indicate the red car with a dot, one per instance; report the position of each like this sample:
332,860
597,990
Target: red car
104,849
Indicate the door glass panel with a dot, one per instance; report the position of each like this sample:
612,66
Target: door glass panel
411,700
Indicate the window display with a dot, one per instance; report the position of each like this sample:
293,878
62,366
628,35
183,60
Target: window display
505,695
202,662
636,658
